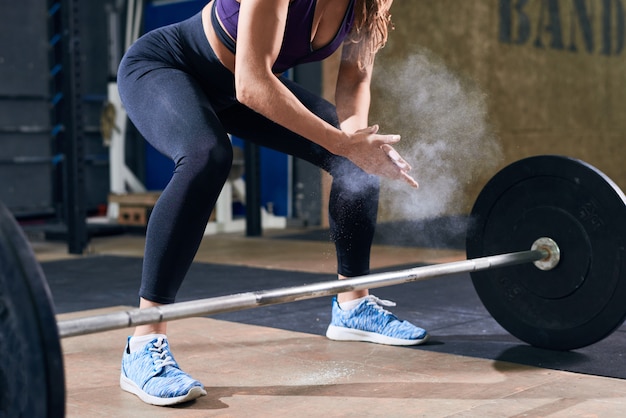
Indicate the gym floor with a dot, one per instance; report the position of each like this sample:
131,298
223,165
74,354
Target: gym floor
252,370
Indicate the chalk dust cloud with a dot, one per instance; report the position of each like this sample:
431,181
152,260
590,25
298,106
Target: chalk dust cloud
446,135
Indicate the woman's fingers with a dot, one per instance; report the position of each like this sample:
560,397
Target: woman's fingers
374,138
410,180
395,157
389,163
380,140
370,130
401,164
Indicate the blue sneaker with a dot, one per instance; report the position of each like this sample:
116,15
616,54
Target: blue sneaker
370,322
154,376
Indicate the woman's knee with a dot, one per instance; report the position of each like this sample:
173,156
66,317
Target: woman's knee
327,112
210,162
316,104
353,180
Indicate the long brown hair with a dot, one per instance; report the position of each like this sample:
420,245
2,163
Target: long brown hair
372,21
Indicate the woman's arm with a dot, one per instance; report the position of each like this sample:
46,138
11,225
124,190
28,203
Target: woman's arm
259,38
352,93
352,97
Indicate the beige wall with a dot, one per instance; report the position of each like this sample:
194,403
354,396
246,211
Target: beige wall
469,97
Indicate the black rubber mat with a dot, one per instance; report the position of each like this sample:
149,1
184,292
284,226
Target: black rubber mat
447,307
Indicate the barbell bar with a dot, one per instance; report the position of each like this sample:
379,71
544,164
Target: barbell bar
544,252
559,297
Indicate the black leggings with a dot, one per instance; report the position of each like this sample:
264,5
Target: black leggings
182,100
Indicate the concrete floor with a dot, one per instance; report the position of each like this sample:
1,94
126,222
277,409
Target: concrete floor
257,371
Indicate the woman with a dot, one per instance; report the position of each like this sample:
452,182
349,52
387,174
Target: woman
188,85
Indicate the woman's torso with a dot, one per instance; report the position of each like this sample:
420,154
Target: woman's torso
314,30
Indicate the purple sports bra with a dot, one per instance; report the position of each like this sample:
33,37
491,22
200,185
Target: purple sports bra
296,47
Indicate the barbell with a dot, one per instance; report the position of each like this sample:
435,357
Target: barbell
546,251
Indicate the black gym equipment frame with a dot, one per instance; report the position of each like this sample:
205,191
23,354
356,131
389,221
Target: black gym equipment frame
67,119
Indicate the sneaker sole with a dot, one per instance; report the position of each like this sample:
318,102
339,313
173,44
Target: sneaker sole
347,334
130,386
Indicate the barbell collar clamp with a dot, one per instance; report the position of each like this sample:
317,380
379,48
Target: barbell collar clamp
552,251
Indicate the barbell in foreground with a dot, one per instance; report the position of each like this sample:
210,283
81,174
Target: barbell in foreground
546,251
561,297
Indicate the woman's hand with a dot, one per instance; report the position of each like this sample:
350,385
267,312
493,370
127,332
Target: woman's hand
373,153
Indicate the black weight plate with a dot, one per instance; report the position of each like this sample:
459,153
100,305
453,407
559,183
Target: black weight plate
583,299
32,381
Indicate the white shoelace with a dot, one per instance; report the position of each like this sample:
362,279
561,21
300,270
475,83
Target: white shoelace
379,303
161,355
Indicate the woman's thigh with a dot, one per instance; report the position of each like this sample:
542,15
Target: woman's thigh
172,113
